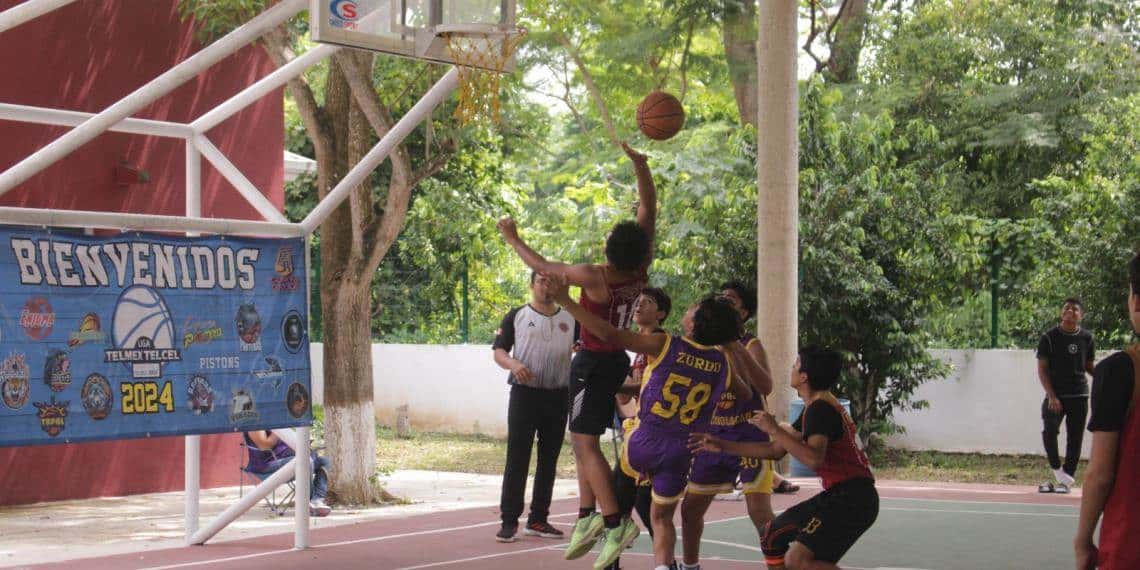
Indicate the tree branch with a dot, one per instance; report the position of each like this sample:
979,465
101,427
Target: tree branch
277,46
819,64
595,93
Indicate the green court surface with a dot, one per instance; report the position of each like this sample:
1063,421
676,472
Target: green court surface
923,534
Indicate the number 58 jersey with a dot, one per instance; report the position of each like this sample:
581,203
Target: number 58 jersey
682,386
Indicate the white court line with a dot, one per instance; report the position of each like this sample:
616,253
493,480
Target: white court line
1071,516
332,544
723,559
484,557
979,502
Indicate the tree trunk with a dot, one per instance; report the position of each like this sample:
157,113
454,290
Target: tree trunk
847,44
739,35
350,421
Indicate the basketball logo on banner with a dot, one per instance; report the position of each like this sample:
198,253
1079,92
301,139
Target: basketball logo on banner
143,332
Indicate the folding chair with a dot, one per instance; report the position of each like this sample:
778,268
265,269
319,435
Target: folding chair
278,507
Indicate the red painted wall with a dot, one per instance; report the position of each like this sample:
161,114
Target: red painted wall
85,57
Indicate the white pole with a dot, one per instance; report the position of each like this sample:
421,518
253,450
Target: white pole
29,10
148,93
304,479
232,512
420,111
193,459
45,116
279,77
777,210
144,222
235,177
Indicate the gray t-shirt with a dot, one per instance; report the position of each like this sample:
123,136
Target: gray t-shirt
541,342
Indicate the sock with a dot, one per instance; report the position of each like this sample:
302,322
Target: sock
690,566
661,567
584,512
1062,477
612,521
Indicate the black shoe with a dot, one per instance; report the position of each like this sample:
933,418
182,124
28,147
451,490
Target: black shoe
507,533
543,529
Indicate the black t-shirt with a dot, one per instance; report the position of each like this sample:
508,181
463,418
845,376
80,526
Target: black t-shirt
1113,383
823,419
1067,354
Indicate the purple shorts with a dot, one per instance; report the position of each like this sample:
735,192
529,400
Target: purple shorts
663,458
715,473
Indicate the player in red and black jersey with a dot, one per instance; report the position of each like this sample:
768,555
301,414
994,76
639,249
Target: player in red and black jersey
609,290
819,531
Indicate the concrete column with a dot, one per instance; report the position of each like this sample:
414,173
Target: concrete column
777,209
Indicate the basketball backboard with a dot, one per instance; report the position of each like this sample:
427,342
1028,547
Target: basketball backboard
403,27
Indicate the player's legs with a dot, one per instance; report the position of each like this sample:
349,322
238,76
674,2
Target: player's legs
693,510
594,379
1076,412
1051,422
520,440
757,476
800,557
664,533
551,430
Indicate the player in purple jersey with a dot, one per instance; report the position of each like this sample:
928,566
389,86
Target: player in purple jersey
685,377
715,473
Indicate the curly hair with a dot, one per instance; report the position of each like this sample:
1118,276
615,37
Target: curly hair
747,294
715,321
627,246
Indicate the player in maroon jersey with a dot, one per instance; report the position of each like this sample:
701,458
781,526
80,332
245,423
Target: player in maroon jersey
684,379
819,531
609,291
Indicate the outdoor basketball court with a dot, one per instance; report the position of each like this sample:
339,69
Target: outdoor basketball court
926,526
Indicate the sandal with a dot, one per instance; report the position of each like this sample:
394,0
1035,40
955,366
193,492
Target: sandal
786,487
1046,487
1061,488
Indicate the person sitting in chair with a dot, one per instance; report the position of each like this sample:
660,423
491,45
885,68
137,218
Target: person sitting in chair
267,454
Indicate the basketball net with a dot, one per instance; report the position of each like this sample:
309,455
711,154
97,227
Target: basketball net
480,57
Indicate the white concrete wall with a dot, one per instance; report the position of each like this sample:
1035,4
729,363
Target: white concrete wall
991,402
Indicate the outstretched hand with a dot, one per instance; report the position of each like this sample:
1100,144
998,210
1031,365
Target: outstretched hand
704,442
633,155
508,228
764,421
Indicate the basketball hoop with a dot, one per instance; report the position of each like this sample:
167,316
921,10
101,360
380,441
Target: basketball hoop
481,52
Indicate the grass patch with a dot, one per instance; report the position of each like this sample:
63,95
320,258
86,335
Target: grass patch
485,455
459,452
963,467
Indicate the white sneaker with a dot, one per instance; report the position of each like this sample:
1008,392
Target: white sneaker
1063,478
318,508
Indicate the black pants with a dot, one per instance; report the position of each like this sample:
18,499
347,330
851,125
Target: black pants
531,411
1074,411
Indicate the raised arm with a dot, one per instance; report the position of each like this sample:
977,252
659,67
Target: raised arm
582,274
640,343
749,369
646,196
756,349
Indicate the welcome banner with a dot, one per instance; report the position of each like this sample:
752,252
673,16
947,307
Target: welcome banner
141,335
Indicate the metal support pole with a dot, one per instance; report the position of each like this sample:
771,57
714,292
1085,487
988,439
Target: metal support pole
144,222
777,211
232,512
420,111
995,271
29,10
193,459
303,481
235,177
466,322
148,93
64,118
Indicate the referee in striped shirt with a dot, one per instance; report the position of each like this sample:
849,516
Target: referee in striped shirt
534,343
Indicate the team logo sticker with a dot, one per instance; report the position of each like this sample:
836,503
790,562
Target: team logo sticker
96,395
14,381
343,14
142,330
57,370
283,266
248,324
90,330
243,408
52,415
200,395
297,400
37,318
273,370
293,331
199,332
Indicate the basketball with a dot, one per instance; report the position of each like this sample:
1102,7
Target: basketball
660,116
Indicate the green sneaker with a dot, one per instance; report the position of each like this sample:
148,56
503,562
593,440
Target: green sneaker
615,541
586,533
